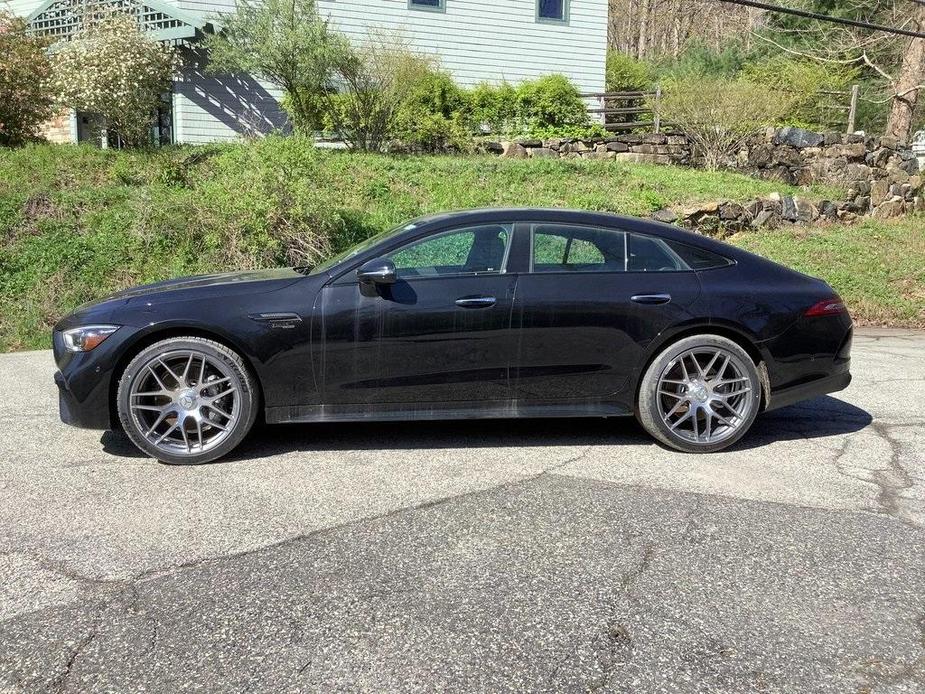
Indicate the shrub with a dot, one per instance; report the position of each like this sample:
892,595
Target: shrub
495,109
433,116
112,69
24,69
627,74
549,106
719,114
377,78
805,83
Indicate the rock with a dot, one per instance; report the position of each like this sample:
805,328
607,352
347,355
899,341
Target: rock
760,156
806,211
831,137
598,154
891,208
665,216
898,175
828,209
513,150
541,152
888,142
618,146
554,143
852,138
677,140
775,197
852,152
918,203
862,203
878,158
798,137
879,192
637,158
753,208
789,209
644,149
654,139
915,182
493,147
731,211
911,167
786,156
846,216
766,219
530,143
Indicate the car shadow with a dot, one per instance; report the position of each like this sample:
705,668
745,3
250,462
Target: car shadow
819,417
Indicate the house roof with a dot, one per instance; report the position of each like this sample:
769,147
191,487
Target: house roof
57,18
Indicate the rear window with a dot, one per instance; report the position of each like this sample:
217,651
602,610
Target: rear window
698,258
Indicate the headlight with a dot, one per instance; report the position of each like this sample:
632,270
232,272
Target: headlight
85,338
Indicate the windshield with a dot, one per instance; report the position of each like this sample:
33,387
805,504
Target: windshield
356,250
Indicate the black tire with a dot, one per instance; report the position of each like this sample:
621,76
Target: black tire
214,355
652,404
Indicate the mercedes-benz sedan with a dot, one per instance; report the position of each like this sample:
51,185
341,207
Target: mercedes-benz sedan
486,313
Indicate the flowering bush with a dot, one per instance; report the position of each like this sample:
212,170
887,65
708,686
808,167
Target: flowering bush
24,69
112,69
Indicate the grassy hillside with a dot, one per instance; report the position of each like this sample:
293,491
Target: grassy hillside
77,223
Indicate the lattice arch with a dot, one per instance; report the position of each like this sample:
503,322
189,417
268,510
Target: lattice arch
61,19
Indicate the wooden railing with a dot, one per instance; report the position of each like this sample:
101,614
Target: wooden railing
617,107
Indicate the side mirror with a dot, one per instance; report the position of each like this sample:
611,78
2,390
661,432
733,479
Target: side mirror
378,271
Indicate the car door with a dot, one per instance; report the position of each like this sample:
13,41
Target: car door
590,302
440,334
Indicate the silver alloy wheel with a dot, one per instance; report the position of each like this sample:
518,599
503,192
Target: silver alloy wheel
184,402
704,395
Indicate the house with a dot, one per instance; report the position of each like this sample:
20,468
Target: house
475,40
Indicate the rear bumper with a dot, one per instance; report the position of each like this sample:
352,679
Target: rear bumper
810,389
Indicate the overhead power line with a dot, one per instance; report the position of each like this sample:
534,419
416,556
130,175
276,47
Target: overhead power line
827,18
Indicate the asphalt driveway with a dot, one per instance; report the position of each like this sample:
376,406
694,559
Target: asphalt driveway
536,555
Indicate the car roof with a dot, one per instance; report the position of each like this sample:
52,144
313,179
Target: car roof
555,214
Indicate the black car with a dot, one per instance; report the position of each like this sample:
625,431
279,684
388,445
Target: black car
485,313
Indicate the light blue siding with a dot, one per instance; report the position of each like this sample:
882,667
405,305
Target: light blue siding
211,108
23,8
489,40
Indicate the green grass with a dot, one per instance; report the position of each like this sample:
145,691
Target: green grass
877,267
77,223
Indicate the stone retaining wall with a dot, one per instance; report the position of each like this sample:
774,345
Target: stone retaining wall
879,174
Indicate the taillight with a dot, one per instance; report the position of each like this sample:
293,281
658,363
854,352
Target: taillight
827,307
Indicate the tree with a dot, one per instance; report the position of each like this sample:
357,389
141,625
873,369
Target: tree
286,43
907,85
25,101
110,68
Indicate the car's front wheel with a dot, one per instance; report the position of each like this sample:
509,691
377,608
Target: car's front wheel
187,400
700,395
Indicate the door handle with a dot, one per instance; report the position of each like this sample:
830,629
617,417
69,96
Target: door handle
476,301
651,298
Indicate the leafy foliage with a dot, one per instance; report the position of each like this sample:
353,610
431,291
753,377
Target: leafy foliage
110,68
807,85
627,74
719,114
24,69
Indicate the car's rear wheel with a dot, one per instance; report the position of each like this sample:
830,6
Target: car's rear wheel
700,394
187,400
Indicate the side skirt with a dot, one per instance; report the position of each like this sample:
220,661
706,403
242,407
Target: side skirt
499,409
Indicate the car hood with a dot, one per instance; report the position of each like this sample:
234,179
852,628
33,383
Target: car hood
206,281
120,306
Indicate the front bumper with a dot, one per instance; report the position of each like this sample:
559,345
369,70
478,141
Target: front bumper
90,413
